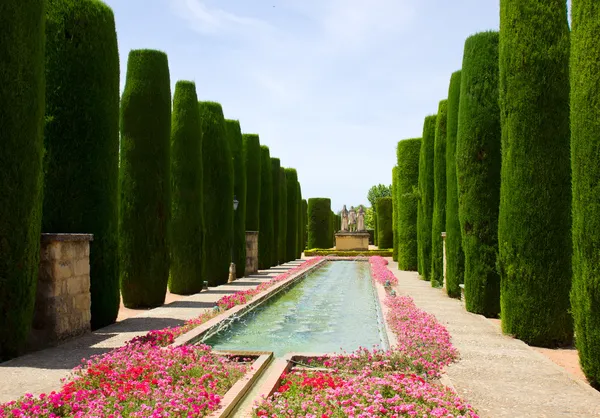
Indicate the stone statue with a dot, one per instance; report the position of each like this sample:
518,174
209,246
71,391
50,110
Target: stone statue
361,219
352,219
344,219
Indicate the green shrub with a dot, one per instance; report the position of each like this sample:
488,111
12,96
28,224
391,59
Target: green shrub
144,180
478,161
218,184
187,227
234,135
384,222
319,219
408,152
253,167
275,177
304,223
534,226
299,221
426,191
282,239
455,258
439,197
316,252
265,231
585,157
291,178
82,139
22,88
395,211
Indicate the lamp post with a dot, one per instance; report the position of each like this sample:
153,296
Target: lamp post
232,265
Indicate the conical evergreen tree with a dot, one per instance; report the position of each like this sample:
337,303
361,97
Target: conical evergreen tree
319,214
439,197
426,192
282,246
265,235
291,178
408,152
275,177
234,135
253,167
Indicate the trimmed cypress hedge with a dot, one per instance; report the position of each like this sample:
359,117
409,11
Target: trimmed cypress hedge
218,184
319,219
478,161
22,87
144,180
585,149
395,212
384,222
291,178
455,258
282,239
300,220
234,135
82,140
304,224
187,226
331,230
275,177
408,152
265,231
535,200
426,190
253,168
439,197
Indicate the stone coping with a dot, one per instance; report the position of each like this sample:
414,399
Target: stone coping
351,233
47,237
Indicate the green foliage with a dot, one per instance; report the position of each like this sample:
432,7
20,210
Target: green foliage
455,258
384,222
265,231
276,178
253,182
534,228
585,157
187,227
218,184
316,252
291,178
144,180
408,152
439,197
478,161
234,136
395,211
369,219
22,88
304,224
82,139
319,222
300,220
377,191
282,239
426,191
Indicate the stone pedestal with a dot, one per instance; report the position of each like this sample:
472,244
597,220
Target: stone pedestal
444,257
352,241
251,252
62,305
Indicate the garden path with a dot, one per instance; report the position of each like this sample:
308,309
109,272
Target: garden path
42,371
499,375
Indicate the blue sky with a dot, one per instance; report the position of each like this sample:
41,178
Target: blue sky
329,85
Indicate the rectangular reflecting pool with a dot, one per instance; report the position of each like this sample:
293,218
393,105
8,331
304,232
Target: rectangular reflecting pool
334,307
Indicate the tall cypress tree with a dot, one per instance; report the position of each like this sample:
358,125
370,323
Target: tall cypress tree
265,235
455,258
534,227
426,191
217,173
234,135
478,162
300,220
384,222
395,211
282,239
304,223
291,178
585,161
253,167
144,180
187,227
319,219
275,177
439,197
22,87
408,152
82,139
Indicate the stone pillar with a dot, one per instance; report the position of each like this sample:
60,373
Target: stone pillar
444,257
251,252
62,305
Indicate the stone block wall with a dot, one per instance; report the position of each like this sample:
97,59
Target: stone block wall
251,252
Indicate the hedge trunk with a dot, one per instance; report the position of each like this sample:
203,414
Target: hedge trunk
234,136
395,212
253,167
426,191
535,200
282,239
265,234
291,178
187,227
22,87
319,214
384,222
408,152
439,197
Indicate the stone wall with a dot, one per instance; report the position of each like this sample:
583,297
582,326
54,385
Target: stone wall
352,241
62,306
251,252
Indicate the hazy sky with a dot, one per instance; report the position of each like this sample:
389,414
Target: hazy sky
329,85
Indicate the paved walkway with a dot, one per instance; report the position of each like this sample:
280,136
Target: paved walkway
497,374
42,371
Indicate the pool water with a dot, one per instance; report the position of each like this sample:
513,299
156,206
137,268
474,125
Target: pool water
333,308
